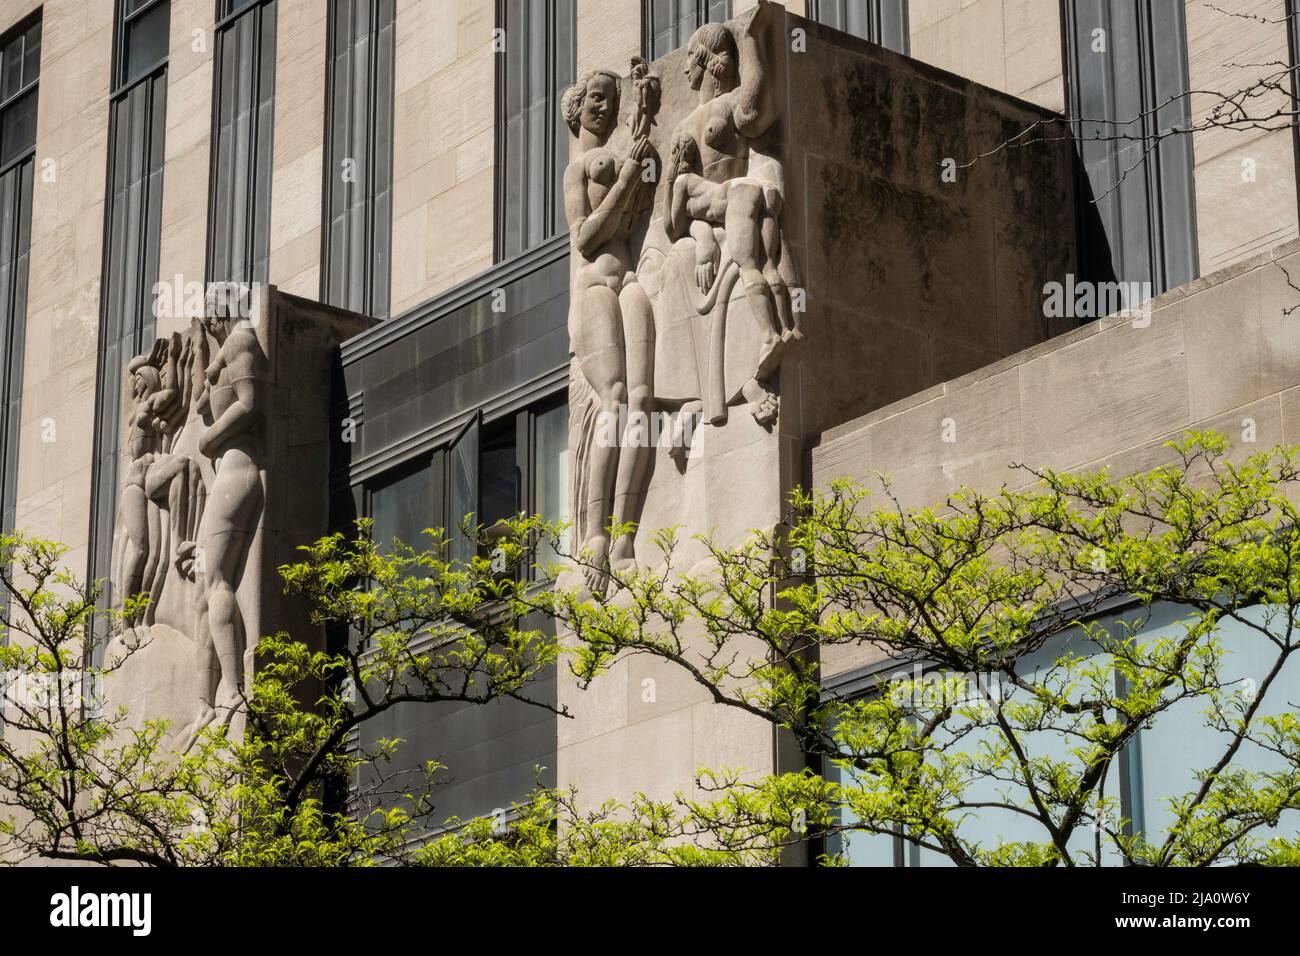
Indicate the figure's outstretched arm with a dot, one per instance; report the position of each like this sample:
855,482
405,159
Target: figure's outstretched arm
755,110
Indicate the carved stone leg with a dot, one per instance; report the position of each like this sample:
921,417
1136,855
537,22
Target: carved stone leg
599,347
636,454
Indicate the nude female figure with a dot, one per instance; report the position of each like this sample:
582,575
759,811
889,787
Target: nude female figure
710,182
234,403
611,325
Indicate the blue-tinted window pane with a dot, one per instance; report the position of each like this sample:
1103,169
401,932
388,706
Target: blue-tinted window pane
1182,741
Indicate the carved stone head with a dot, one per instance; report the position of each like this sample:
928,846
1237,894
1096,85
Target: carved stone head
592,104
225,305
712,53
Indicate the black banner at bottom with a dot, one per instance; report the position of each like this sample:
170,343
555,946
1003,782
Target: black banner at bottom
137,907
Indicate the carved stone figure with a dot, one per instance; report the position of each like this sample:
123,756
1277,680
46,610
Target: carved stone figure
719,179
682,308
192,494
233,406
154,506
611,324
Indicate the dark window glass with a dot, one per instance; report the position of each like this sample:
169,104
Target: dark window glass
239,220
1127,84
143,34
498,493
17,172
492,472
11,69
359,156
668,24
880,21
402,508
532,143
1293,46
18,128
15,239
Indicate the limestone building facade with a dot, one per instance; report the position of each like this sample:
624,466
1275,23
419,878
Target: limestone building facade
842,244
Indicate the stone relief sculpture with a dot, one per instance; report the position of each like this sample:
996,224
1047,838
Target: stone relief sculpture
657,323
193,493
611,324
726,194
233,407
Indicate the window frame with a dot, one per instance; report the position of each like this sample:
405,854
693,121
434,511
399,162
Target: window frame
1167,171
522,420
21,28
376,291
875,13
224,21
121,82
555,140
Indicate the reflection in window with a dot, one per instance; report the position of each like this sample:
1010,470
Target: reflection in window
1162,764
402,508
1128,81
483,474
551,471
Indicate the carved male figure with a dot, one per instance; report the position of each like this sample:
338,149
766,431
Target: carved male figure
234,405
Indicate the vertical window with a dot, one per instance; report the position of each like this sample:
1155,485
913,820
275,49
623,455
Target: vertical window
358,198
132,231
879,21
1128,82
499,473
550,470
668,24
239,212
1293,47
20,59
532,144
